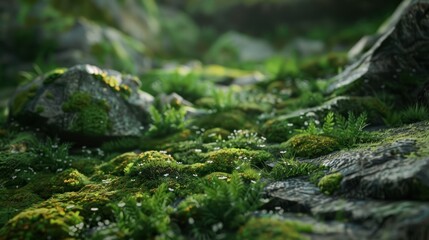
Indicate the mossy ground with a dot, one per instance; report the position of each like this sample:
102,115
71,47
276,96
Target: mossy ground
198,171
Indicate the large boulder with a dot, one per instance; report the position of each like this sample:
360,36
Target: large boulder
398,63
83,102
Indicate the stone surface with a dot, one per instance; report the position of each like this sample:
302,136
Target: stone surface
234,46
69,102
383,193
397,63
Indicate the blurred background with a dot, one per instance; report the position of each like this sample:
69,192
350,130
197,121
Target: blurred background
310,38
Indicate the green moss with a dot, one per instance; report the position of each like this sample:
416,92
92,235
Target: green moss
272,228
91,199
15,169
55,223
92,114
224,160
229,120
309,145
68,181
113,83
15,200
215,134
152,165
292,168
40,109
117,165
22,98
54,75
330,183
218,175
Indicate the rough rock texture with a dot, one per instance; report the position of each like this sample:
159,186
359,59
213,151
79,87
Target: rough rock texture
83,101
398,62
383,193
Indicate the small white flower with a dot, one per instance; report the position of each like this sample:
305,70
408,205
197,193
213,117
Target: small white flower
94,209
170,189
121,204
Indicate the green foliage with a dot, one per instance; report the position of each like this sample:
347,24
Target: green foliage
347,131
189,86
140,217
167,121
16,169
289,168
277,130
244,139
330,183
224,99
273,228
215,134
52,155
236,200
56,223
310,99
410,114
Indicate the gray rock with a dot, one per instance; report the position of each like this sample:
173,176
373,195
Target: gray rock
234,46
397,63
383,194
83,102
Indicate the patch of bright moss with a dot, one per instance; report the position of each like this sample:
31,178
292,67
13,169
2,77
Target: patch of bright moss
68,181
271,228
54,75
113,83
92,114
330,183
152,165
55,223
117,165
309,145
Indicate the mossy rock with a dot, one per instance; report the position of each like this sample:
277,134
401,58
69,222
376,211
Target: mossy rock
55,223
83,103
311,146
330,183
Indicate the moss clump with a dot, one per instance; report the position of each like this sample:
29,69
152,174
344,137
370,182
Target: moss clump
68,181
309,145
52,223
92,114
92,198
215,134
14,201
113,83
117,165
54,75
152,165
16,169
271,228
330,183
22,98
224,160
